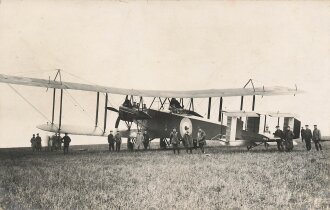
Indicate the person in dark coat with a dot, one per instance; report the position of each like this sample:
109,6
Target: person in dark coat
317,138
66,143
288,136
38,140
111,141
175,141
279,133
188,142
163,140
33,143
118,141
308,138
130,145
201,139
302,133
146,140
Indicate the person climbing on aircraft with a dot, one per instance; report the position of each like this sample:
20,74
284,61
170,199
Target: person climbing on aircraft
288,136
201,139
33,143
118,141
38,140
308,138
279,133
317,138
66,143
187,139
111,141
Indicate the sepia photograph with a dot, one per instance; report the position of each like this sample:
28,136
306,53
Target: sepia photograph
164,104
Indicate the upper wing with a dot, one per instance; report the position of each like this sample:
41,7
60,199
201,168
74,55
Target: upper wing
266,91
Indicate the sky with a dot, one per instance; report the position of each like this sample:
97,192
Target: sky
171,45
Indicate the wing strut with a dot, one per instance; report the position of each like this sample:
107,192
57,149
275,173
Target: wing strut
54,93
220,110
60,119
105,113
209,109
97,109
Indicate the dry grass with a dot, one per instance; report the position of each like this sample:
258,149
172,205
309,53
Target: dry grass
227,178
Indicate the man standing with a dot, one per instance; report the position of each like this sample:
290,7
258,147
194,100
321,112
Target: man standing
38,140
317,138
174,140
188,143
308,138
111,141
162,142
139,140
146,140
302,133
288,136
33,143
118,141
279,133
66,143
201,139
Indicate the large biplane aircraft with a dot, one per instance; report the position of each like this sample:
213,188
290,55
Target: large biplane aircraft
174,116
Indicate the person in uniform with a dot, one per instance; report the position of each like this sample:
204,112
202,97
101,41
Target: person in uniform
146,140
50,143
317,138
174,140
38,140
201,139
139,140
187,140
288,136
33,143
308,138
118,141
130,146
279,133
302,133
162,142
66,143
111,141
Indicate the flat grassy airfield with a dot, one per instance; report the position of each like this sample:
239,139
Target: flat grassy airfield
223,178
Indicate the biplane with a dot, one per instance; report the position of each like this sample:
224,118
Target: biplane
159,121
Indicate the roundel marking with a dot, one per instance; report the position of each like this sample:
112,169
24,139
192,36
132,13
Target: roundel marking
185,124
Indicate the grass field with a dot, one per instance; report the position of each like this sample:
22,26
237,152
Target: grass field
224,178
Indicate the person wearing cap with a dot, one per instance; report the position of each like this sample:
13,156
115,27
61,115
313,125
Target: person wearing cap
308,138
317,138
139,140
146,140
201,139
279,133
118,141
267,130
111,141
163,140
66,143
33,143
288,136
38,140
175,141
302,133
187,140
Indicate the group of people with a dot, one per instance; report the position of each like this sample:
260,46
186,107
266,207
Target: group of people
36,142
308,136
286,138
54,143
188,142
142,141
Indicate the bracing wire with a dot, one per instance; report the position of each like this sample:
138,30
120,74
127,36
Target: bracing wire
27,101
